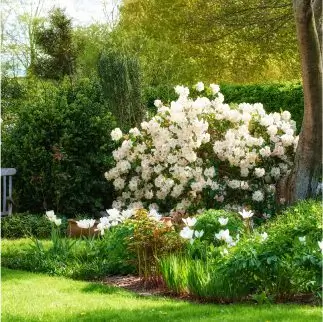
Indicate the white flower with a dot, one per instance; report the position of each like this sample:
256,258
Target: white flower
320,244
153,214
158,103
114,216
215,88
85,223
259,172
103,225
199,234
58,222
51,215
246,214
258,196
285,116
182,90
264,236
187,233
199,87
224,235
116,134
302,239
223,221
100,227
189,221
126,214
224,252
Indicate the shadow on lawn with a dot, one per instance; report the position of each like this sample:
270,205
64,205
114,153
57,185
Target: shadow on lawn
7,274
179,312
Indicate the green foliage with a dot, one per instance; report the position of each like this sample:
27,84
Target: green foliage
25,224
55,41
186,41
60,145
120,81
279,267
151,240
115,246
209,223
174,269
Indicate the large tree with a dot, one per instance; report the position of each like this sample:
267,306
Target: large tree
214,41
307,171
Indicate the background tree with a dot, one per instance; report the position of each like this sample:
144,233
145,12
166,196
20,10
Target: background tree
57,52
223,41
19,21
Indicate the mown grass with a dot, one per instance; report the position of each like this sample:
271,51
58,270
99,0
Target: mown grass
31,297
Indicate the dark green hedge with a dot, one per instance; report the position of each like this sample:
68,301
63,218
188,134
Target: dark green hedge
274,97
60,145
26,225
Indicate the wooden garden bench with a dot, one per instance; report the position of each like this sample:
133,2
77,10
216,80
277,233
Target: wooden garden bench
6,194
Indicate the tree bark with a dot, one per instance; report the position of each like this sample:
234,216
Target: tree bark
303,180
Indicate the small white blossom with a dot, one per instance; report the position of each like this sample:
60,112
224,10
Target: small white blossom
58,222
158,103
215,88
224,252
320,244
224,235
223,221
50,215
302,239
154,214
199,87
264,236
116,134
85,223
258,196
246,214
187,233
190,222
198,234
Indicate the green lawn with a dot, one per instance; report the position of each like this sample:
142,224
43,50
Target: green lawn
30,297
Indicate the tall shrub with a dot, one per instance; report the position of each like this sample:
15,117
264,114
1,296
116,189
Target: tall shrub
120,81
60,146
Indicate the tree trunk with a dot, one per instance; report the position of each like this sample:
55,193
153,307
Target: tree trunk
304,178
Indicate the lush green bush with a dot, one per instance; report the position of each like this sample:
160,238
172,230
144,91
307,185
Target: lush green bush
281,266
60,145
27,225
274,97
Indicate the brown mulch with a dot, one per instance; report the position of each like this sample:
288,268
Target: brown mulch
135,284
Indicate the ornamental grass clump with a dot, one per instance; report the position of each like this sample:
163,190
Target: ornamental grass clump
202,153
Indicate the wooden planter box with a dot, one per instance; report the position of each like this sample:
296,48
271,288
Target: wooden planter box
73,230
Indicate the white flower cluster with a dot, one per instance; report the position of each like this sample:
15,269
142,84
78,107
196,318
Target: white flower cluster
50,214
187,232
195,146
115,217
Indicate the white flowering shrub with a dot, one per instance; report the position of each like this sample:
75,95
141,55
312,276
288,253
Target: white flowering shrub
202,153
